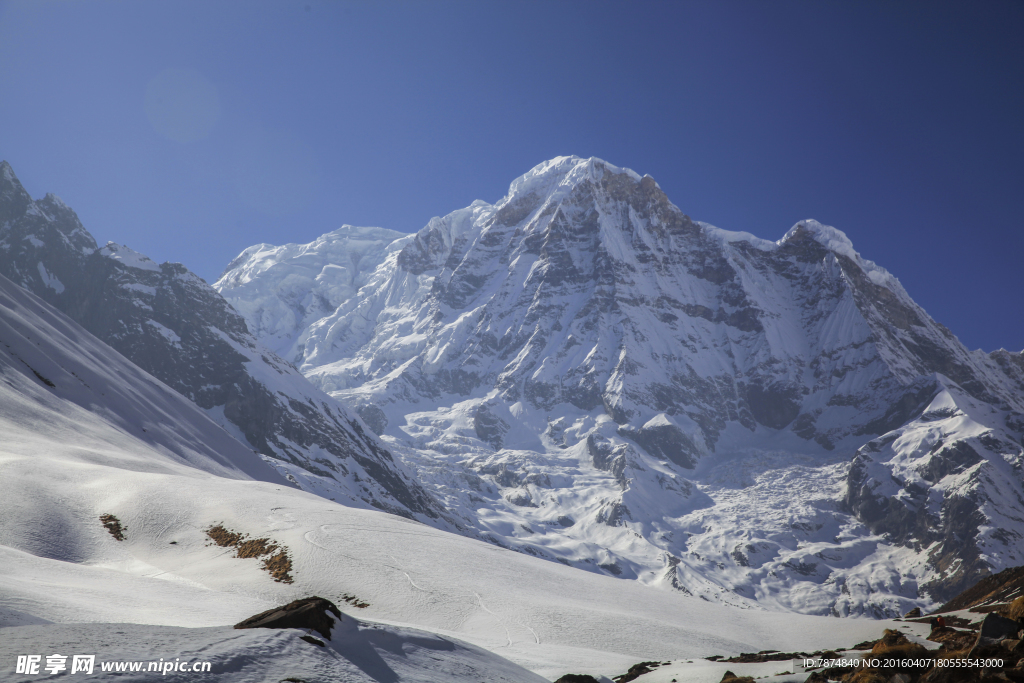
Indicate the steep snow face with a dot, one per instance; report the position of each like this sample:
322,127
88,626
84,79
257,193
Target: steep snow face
583,372
172,324
281,290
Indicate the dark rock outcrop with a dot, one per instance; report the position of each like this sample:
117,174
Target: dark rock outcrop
314,614
666,441
995,628
994,589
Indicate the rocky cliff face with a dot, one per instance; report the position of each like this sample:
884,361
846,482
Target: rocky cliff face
172,324
583,372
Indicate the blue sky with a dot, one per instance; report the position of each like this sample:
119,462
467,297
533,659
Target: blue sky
191,130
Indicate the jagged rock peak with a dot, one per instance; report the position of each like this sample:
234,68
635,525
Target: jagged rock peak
12,193
128,257
7,173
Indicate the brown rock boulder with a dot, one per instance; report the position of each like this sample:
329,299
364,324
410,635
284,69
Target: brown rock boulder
308,613
730,677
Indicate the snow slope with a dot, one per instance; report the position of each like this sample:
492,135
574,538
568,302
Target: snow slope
172,324
77,450
62,381
582,372
356,653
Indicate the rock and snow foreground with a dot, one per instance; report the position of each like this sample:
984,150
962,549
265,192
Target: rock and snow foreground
88,434
583,373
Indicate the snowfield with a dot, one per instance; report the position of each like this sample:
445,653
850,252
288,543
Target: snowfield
73,415
356,653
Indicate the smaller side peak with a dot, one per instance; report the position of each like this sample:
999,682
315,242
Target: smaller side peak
53,200
648,181
128,257
825,235
837,242
832,239
11,189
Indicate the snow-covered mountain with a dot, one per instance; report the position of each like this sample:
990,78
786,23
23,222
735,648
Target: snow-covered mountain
582,372
172,324
112,486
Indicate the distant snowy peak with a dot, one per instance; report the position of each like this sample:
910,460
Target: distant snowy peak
348,242
585,285
555,179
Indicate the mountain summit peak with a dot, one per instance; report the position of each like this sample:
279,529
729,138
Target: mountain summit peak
565,171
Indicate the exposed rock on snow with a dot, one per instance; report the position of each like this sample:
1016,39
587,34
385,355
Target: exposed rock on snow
308,613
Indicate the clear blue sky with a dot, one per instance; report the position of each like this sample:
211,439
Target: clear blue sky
190,130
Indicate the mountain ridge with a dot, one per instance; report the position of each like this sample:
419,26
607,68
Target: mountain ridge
172,324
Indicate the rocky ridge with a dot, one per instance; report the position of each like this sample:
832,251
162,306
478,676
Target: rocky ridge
172,324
